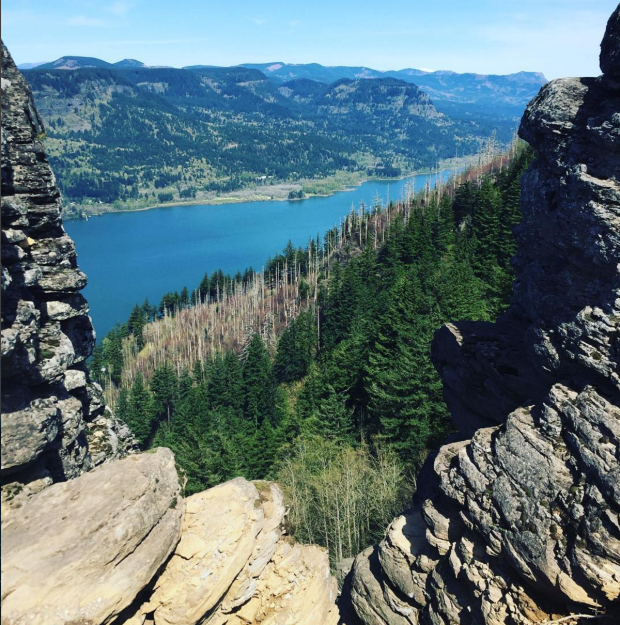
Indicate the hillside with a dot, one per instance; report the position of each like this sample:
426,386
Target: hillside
141,136
73,63
87,533
237,372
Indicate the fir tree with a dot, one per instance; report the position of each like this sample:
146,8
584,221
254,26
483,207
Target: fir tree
258,384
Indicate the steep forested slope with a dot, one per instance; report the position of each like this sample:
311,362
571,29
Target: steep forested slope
252,386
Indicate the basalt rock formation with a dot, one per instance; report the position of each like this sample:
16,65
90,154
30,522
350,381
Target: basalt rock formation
50,408
520,523
90,537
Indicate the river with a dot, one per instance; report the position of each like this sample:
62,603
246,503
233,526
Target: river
131,256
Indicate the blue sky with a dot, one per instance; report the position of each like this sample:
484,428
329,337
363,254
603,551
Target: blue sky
556,37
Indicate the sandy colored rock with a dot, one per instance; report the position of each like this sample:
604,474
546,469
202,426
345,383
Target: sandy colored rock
234,565
219,535
296,588
80,551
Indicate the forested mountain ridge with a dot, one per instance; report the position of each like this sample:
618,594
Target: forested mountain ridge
210,131
503,93
498,94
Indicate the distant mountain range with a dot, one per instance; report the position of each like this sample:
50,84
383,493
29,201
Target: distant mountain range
123,132
80,62
512,89
502,95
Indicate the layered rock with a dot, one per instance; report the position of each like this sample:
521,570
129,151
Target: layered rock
233,565
50,408
520,524
80,551
140,553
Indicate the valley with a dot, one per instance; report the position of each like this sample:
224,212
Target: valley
125,137
394,404
171,247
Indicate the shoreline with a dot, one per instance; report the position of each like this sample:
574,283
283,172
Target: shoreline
241,200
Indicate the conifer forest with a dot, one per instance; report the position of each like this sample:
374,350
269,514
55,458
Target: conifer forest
316,371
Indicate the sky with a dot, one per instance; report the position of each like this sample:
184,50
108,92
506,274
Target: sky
555,37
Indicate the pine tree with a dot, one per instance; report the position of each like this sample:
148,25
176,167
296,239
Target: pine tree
258,384
137,321
164,387
406,404
335,417
140,413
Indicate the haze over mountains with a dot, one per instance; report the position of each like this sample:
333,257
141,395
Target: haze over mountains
508,94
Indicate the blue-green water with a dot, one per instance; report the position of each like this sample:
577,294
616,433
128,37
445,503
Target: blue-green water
131,256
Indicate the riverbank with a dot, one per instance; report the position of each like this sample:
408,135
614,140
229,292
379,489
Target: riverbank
326,187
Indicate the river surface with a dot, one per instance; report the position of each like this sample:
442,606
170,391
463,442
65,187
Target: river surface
144,254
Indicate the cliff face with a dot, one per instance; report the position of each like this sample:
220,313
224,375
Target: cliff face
521,523
50,409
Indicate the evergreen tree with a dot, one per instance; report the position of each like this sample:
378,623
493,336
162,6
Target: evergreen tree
258,384
137,321
335,417
140,412
406,404
164,388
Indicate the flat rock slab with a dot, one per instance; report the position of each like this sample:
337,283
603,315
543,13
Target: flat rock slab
80,551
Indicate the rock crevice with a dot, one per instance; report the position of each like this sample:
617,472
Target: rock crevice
520,523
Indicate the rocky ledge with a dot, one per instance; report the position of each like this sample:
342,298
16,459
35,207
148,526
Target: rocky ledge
520,523
140,553
50,408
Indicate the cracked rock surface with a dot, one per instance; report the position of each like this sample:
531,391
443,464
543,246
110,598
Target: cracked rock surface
81,550
50,408
519,522
234,566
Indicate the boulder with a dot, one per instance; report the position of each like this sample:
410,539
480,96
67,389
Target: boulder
80,551
234,565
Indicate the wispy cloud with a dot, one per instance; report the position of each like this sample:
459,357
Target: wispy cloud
294,23
259,21
120,8
82,20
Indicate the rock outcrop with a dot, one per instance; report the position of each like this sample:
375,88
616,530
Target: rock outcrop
50,408
230,562
80,551
520,524
233,565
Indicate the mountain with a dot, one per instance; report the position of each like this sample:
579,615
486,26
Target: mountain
495,95
26,66
509,92
283,72
135,135
74,62
128,63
